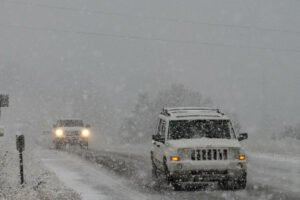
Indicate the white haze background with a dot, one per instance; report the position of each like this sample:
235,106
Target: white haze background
90,59
116,63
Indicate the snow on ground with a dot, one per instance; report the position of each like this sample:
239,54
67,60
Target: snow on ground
270,175
125,173
137,169
86,178
40,183
281,172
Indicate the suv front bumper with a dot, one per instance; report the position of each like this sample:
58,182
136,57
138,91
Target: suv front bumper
206,171
71,140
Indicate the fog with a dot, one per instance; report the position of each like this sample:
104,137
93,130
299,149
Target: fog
90,58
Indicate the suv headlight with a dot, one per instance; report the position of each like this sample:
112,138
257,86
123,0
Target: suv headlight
59,133
237,154
242,157
175,158
85,133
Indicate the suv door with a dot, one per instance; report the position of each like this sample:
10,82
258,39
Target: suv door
159,144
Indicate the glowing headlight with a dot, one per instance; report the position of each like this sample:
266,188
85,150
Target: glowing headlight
59,133
85,133
175,158
242,157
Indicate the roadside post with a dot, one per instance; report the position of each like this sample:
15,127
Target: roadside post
4,102
20,140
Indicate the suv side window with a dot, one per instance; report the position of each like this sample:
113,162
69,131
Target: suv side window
158,127
232,131
161,128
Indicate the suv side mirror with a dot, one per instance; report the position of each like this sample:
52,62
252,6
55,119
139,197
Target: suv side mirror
243,136
158,138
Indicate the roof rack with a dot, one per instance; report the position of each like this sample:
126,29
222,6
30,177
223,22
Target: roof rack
167,111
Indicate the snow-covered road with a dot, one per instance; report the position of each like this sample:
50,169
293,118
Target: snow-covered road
111,175
39,182
281,172
87,178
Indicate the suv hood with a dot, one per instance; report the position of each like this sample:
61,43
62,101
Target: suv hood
204,143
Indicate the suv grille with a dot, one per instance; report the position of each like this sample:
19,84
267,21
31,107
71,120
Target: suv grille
72,133
209,154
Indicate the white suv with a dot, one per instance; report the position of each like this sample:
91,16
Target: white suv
70,131
198,145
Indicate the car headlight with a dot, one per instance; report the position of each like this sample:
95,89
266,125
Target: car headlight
59,133
85,133
175,158
242,157
237,154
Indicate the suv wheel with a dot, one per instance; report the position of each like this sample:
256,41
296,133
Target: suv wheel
177,186
57,146
241,183
227,184
232,184
84,145
154,168
166,171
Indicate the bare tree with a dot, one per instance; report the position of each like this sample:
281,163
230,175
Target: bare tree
140,125
290,132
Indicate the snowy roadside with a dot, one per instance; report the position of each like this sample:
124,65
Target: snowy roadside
282,172
275,162
276,170
92,180
137,170
287,147
40,183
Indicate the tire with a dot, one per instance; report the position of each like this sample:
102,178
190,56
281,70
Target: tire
154,171
167,172
57,145
227,184
241,183
234,184
177,186
154,168
84,145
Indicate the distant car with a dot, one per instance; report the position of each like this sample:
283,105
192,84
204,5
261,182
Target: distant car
72,132
1,131
198,145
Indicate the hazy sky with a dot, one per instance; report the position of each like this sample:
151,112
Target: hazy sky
245,55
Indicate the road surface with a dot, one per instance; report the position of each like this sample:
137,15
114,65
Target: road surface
111,175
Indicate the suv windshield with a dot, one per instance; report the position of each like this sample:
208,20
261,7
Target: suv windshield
70,123
187,129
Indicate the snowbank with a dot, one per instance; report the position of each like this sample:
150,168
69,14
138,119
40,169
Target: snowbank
286,146
40,183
